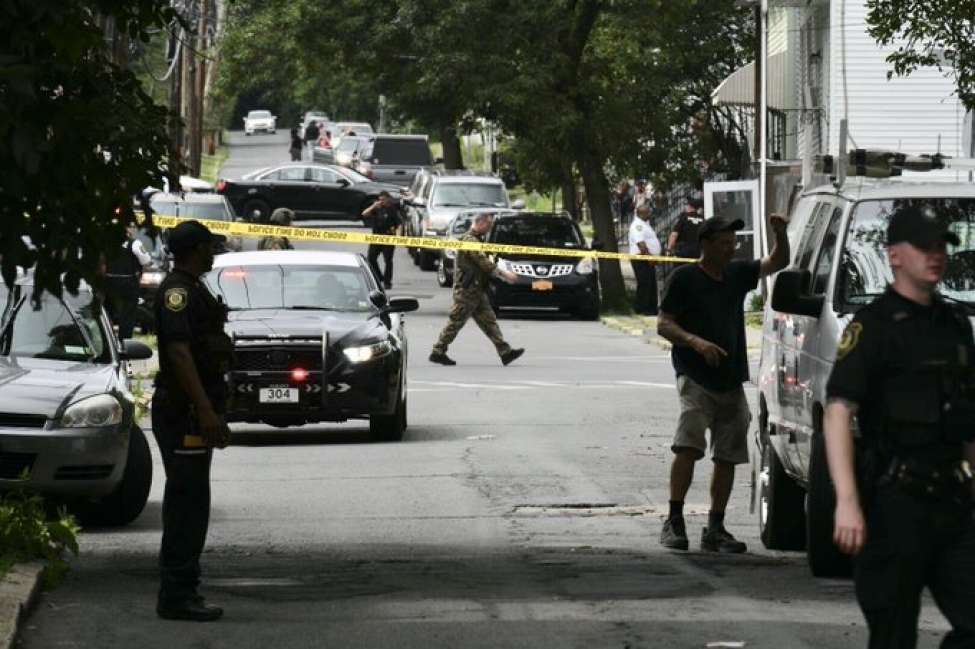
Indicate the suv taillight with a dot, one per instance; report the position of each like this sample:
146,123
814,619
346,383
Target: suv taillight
221,186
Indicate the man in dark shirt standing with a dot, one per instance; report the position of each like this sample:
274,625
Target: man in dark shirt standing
684,239
702,315
386,219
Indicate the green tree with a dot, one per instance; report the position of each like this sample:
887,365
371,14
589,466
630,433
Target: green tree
929,33
79,135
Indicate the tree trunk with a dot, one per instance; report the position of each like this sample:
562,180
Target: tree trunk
597,195
570,200
452,156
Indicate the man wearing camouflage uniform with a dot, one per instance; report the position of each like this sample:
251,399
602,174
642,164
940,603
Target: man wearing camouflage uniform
473,272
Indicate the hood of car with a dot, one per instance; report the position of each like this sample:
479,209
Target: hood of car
341,326
33,386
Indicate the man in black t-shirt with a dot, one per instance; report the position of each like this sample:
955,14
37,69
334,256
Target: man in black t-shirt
684,239
702,315
386,219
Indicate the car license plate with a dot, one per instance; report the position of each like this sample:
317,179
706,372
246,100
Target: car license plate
278,395
542,285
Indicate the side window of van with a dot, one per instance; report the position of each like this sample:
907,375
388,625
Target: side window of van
827,252
809,239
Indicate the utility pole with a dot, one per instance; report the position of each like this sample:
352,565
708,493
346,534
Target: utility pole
175,110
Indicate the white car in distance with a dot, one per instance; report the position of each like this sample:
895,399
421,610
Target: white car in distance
260,120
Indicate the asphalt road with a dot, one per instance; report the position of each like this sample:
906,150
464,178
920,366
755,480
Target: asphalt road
522,510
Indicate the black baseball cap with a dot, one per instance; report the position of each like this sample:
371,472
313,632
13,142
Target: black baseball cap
695,201
919,227
188,234
718,224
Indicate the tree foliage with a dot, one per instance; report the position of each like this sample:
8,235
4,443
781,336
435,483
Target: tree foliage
929,33
79,135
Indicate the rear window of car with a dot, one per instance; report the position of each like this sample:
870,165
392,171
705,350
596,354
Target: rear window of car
212,211
537,231
259,114
400,152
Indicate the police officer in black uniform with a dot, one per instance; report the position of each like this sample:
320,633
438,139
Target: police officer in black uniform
905,367
187,414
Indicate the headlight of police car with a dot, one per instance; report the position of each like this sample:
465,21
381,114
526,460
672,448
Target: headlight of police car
584,267
91,412
152,278
368,352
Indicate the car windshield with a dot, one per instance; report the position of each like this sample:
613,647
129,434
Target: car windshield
259,114
866,271
467,195
400,152
215,211
67,329
539,231
337,288
349,144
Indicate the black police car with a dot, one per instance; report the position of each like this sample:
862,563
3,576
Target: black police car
545,282
315,339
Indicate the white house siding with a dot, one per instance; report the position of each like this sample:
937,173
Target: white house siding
906,114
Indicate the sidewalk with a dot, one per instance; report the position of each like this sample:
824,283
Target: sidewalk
18,590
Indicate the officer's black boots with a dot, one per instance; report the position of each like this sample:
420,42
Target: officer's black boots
674,534
511,355
441,358
194,609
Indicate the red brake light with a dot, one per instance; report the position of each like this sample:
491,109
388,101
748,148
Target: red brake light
221,186
299,374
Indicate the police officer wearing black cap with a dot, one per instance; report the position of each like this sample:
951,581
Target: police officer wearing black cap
905,367
187,414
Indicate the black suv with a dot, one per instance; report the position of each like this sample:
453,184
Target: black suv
545,282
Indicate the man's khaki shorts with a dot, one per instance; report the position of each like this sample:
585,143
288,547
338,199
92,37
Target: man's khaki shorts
726,414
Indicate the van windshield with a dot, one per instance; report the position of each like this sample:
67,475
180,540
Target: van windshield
865,269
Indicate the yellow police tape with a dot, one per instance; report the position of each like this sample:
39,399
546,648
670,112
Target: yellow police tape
238,228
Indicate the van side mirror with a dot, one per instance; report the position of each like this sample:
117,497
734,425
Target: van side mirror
790,294
134,350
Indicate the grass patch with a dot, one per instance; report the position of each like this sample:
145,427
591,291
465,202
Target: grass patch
210,165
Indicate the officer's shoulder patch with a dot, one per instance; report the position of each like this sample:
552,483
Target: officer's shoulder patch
850,339
175,299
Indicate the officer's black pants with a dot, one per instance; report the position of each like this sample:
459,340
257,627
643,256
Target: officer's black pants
123,305
913,543
387,252
646,287
186,501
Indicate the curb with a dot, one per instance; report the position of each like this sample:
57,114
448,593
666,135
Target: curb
18,591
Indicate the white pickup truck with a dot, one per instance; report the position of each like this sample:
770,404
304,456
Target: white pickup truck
260,120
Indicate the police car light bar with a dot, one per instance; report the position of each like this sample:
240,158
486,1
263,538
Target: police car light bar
887,164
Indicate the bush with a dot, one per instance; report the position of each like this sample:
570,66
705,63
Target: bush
27,533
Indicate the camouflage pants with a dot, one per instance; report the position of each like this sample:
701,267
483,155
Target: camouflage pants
471,303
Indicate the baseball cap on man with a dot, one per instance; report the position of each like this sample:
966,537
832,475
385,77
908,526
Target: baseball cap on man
919,227
695,201
188,234
718,224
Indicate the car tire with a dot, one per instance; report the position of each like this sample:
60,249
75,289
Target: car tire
415,254
781,505
390,428
246,134
589,313
825,560
127,501
444,279
427,260
257,211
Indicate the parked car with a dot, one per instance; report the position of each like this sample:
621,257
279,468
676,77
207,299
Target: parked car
394,158
315,339
447,193
311,190
545,282
839,265
346,152
260,120
68,428
312,116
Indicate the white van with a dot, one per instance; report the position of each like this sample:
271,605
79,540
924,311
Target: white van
839,264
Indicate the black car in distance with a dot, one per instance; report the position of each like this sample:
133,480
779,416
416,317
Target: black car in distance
315,340
312,191
545,282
